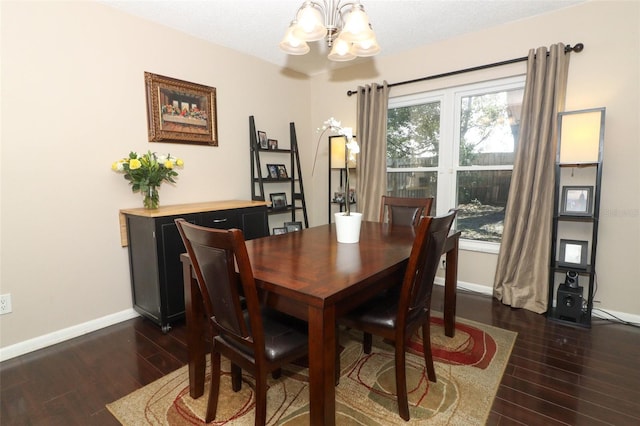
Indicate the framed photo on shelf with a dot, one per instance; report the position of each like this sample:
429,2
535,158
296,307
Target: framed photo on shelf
273,144
180,112
278,200
262,140
293,226
278,231
577,200
282,172
573,254
273,171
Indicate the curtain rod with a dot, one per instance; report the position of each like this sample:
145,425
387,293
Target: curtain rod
577,48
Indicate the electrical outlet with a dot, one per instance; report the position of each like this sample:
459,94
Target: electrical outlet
5,303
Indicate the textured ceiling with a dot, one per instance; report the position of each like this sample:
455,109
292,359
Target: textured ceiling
255,27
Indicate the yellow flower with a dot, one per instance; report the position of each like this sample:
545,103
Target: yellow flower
179,162
168,164
134,164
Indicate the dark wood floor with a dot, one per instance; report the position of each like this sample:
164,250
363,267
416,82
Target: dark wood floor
556,375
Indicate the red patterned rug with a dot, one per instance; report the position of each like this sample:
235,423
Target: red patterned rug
469,368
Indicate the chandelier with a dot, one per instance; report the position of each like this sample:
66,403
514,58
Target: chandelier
344,26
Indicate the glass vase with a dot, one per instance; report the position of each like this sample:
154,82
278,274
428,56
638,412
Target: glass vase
151,198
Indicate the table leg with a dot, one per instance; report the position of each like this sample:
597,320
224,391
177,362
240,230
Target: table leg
195,331
450,289
322,339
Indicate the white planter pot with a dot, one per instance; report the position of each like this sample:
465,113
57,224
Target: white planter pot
348,227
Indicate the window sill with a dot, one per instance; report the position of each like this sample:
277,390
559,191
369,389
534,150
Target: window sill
479,246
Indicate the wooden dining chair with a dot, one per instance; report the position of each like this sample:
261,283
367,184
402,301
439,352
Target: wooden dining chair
255,339
404,309
403,210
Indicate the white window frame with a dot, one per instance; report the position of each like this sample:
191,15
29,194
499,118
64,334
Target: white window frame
448,161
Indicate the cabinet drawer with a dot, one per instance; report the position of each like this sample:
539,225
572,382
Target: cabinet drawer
224,219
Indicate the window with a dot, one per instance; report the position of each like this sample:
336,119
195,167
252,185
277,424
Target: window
457,145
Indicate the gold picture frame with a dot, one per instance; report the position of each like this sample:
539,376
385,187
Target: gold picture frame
180,112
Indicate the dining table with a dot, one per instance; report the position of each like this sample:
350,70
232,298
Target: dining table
309,275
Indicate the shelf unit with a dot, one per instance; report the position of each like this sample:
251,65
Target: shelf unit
260,177
575,227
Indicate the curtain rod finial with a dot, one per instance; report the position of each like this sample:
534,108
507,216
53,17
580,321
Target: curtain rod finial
579,47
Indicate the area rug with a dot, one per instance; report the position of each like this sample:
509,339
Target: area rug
469,368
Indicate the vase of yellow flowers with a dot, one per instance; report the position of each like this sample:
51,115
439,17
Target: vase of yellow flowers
146,172
347,222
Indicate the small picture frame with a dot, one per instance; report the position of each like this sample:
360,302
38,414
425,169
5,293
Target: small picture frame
282,172
293,226
577,200
278,200
262,140
273,143
273,171
278,231
573,254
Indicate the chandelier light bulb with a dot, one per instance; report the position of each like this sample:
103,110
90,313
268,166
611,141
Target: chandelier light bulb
341,51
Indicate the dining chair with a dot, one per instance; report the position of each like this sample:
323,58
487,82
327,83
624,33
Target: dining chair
256,339
398,314
404,210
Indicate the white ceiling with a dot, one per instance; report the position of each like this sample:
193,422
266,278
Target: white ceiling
255,27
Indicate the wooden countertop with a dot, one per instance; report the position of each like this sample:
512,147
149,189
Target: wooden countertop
178,209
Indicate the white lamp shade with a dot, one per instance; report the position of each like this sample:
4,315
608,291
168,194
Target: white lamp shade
580,134
366,48
292,45
310,26
356,26
341,50
338,144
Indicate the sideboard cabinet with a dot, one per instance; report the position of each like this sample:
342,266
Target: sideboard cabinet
155,247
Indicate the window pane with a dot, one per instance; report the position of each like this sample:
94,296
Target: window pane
482,198
412,185
489,126
413,134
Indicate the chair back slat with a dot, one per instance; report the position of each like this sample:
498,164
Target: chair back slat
423,263
214,254
404,211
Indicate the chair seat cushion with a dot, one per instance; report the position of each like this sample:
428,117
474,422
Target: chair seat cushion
283,335
381,312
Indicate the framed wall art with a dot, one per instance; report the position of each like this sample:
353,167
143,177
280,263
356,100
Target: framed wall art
577,200
573,254
180,112
273,144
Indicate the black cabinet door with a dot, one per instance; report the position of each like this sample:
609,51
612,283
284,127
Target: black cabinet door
254,223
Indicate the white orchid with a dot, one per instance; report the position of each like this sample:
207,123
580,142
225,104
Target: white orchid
351,149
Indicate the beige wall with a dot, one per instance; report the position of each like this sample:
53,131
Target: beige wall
606,73
73,101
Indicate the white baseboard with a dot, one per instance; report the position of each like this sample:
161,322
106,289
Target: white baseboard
87,327
64,334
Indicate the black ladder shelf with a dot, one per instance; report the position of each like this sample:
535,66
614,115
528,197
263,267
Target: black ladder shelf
259,178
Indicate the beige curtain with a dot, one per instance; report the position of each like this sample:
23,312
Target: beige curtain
371,133
522,273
